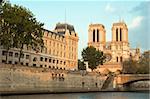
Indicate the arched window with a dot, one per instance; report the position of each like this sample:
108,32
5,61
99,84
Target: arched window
117,34
93,35
117,59
121,59
120,34
34,59
83,84
97,35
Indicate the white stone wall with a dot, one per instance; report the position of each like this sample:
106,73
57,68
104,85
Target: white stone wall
26,78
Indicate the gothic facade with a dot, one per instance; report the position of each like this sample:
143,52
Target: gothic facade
117,50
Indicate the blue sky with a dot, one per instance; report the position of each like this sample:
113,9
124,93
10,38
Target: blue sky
82,13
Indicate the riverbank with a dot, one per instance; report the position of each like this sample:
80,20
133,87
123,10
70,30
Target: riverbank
91,95
66,92
21,80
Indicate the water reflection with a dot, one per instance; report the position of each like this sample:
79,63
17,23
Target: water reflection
98,95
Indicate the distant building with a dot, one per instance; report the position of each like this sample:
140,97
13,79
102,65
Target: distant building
60,52
117,50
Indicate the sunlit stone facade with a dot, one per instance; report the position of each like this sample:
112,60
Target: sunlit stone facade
117,50
60,51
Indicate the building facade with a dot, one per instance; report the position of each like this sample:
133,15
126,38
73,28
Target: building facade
117,50
60,50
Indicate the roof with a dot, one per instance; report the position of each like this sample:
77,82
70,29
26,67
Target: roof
64,26
53,32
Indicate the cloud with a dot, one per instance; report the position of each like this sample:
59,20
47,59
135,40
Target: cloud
136,22
109,8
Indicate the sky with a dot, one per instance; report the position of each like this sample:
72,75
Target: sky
81,13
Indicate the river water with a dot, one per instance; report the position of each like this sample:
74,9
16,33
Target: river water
97,95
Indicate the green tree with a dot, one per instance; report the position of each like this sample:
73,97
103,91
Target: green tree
130,66
137,67
81,65
144,63
1,1
6,29
93,57
24,29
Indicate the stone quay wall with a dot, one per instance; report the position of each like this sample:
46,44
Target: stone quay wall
23,79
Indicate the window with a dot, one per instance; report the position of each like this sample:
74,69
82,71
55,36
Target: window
34,59
45,65
96,84
97,35
49,66
52,74
10,62
4,53
117,59
55,75
22,55
50,43
57,61
45,59
16,54
21,63
3,61
41,65
117,34
60,62
120,34
16,62
41,59
10,53
53,61
34,65
121,59
93,35
27,56
27,64
45,42
64,63
83,84
50,60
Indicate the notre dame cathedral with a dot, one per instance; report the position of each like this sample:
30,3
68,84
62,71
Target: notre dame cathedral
117,50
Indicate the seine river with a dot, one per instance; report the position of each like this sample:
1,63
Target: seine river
97,95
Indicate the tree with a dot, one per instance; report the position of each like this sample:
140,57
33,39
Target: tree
93,57
81,65
144,63
137,67
1,1
6,29
130,66
24,29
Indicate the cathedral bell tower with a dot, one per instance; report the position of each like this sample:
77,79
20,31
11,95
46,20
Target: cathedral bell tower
120,44
97,36
120,32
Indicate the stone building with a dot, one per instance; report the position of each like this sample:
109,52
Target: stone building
60,51
117,50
